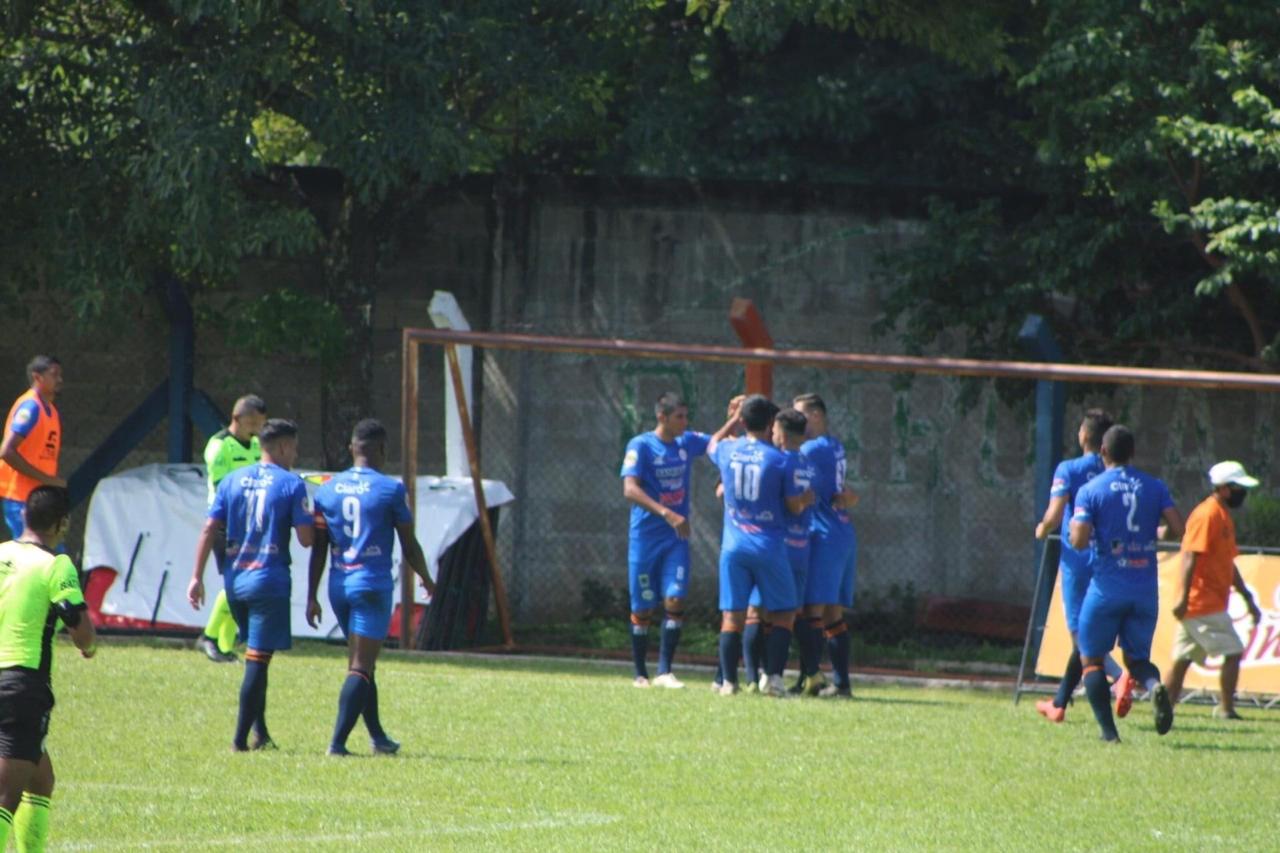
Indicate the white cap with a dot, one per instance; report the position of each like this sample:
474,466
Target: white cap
1231,473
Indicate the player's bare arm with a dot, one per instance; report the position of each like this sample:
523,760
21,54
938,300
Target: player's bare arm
846,499
412,550
1173,526
731,426
204,547
1080,533
83,635
797,504
1238,582
306,534
1052,516
1188,572
9,453
315,571
634,492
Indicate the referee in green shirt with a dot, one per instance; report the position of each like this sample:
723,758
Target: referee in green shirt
38,588
229,449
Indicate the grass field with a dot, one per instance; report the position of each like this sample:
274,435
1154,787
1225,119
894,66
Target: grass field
510,754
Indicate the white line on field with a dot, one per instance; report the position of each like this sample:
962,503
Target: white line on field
202,793
564,820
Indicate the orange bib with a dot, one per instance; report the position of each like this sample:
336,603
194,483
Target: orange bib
40,448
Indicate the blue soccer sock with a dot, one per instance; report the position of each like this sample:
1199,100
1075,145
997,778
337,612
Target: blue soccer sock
670,638
1145,673
372,720
778,649
752,647
837,635
640,645
719,676
351,701
253,699
1070,679
1099,693
1111,668
730,651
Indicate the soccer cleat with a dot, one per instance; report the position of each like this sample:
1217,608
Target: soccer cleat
1219,714
728,689
263,743
209,646
384,745
337,751
833,691
798,688
815,684
774,686
641,682
669,681
1050,711
716,685
1110,741
1163,709
1123,690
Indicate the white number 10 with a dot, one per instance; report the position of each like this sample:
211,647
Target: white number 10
746,481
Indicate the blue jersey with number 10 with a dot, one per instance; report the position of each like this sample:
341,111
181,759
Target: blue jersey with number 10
757,479
1124,505
360,509
259,505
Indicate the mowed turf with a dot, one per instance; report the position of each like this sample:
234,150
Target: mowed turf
511,754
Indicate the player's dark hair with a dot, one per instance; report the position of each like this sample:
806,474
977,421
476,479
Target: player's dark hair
793,421
40,364
277,429
249,404
1118,442
668,403
758,412
369,431
1096,423
46,506
810,401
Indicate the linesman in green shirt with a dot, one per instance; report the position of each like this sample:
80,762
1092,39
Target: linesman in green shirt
229,449
38,588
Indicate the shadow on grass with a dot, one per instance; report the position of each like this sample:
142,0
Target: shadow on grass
1222,747
861,696
495,760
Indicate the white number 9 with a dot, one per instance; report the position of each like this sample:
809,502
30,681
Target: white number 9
351,512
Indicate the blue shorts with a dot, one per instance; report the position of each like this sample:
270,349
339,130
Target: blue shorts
365,612
799,558
1131,618
264,623
657,571
1075,584
831,573
13,516
768,570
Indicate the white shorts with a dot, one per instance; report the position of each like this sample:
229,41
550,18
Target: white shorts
1201,637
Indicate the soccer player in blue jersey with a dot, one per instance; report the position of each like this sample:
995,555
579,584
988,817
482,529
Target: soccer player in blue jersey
1116,515
655,479
1073,565
760,489
829,587
356,515
257,506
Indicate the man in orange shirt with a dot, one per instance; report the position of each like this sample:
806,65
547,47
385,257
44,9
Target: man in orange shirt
1208,573
32,441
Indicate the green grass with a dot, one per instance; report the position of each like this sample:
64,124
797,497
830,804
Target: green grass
510,754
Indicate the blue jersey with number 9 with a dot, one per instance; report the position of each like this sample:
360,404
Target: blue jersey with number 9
259,505
1124,505
360,508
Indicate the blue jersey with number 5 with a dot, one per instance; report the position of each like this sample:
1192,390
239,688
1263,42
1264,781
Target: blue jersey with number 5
260,505
757,479
1124,505
360,509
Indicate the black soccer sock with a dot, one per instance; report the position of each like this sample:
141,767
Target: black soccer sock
778,645
807,665
260,721
816,644
1099,693
372,721
751,650
640,645
1070,679
837,635
670,638
355,690
730,651
253,690
1145,673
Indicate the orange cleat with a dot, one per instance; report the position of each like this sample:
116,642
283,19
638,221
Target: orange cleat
1123,691
1050,712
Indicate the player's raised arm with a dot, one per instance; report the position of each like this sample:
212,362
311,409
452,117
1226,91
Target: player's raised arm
204,547
315,570
732,425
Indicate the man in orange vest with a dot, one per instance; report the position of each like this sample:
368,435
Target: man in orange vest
32,441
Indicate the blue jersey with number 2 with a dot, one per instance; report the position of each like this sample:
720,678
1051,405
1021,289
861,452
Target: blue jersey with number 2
260,505
360,509
1124,505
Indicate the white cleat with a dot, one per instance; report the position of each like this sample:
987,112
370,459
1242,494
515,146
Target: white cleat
669,681
728,689
641,682
774,686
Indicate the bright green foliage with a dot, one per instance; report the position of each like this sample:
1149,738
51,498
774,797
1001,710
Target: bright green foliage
518,755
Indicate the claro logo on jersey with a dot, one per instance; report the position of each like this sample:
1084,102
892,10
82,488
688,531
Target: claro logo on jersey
360,487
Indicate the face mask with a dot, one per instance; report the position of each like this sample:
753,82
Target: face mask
1236,498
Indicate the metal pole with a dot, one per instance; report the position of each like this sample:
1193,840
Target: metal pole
408,470
1031,624
482,507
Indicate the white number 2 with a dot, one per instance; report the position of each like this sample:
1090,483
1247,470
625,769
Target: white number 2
746,481
1131,501
351,512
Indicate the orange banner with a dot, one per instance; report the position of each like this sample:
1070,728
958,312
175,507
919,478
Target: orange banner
1260,664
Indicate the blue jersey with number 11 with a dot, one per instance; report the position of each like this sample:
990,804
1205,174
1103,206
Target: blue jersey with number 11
259,505
360,508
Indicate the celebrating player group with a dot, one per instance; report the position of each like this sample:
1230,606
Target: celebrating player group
787,552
